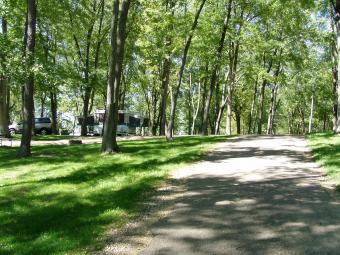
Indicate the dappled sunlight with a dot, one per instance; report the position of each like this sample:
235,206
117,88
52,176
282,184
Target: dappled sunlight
246,198
65,198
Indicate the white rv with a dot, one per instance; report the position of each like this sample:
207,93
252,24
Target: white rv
128,123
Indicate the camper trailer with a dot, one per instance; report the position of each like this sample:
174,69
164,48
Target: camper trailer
129,123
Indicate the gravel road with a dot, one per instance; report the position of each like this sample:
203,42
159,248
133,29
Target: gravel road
253,195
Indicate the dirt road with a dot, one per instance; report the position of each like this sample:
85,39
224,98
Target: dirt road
251,196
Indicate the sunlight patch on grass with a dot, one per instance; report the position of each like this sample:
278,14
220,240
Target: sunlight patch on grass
326,150
65,204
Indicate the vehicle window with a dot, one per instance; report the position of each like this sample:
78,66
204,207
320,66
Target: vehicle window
42,120
46,120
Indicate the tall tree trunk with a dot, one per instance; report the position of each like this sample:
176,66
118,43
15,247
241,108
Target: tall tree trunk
88,86
197,108
204,96
42,102
118,39
85,114
335,98
9,107
270,125
3,107
84,59
228,130
215,70
324,126
164,94
302,122
334,64
4,90
222,104
230,98
290,123
310,126
233,55
238,115
165,75
262,94
54,116
169,134
28,114
190,104
251,113
337,25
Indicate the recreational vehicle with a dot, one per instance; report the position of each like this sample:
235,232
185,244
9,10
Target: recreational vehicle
128,123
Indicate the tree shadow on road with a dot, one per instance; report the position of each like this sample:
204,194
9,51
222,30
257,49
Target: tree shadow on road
283,211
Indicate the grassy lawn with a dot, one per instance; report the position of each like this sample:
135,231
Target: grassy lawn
17,137
64,199
326,149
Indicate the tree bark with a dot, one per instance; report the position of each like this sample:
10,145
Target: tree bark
166,73
302,115
28,104
118,39
272,108
310,126
169,134
289,123
42,102
335,98
262,94
197,108
204,96
337,25
164,94
334,65
3,107
222,104
234,50
216,68
54,116
4,90
84,59
270,125
252,109
238,113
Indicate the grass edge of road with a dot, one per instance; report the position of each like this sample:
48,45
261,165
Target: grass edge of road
325,149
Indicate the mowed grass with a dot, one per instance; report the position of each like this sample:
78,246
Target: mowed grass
326,150
39,137
65,198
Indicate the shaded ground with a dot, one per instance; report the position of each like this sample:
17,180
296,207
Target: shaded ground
251,196
64,199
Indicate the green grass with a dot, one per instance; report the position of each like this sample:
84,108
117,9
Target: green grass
326,150
65,198
38,137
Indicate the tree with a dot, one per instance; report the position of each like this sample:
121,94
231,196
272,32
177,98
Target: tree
28,93
4,100
337,26
215,70
118,38
174,96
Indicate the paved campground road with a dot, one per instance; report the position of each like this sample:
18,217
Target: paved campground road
253,195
